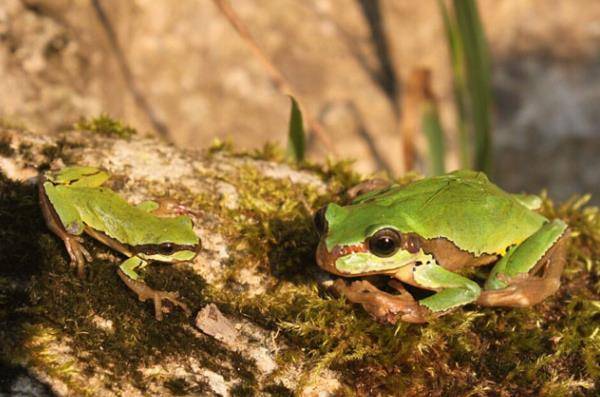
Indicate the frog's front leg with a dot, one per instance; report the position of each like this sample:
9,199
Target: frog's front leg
452,289
144,292
384,307
530,272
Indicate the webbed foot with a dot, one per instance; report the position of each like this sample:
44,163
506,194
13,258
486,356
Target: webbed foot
522,292
145,292
384,307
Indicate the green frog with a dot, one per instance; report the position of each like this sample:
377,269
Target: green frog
74,203
427,233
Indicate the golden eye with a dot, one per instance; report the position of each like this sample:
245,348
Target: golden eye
384,243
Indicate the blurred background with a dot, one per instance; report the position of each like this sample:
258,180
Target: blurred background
508,86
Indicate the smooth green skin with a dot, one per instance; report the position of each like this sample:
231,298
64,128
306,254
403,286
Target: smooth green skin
463,207
79,201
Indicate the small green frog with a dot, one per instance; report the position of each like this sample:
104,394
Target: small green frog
423,234
74,202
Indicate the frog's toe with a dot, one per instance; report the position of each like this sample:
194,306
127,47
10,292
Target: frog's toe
173,297
145,292
384,307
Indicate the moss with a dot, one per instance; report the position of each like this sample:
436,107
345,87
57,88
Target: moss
181,387
58,306
277,390
107,126
552,349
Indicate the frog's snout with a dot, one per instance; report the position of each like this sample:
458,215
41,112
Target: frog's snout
320,221
327,260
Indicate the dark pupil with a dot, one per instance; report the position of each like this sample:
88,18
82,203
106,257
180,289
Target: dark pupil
166,249
383,246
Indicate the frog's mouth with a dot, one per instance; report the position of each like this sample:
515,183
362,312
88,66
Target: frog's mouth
357,261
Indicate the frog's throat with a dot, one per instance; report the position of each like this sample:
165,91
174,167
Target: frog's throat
356,261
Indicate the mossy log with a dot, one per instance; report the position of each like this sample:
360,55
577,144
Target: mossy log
283,333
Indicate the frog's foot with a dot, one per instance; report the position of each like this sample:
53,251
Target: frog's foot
523,290
145,292
528,289
77,252
384,307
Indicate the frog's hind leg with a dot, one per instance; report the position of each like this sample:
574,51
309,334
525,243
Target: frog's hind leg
531,272
144,292
77,252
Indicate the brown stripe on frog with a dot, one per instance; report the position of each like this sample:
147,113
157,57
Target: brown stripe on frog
450,256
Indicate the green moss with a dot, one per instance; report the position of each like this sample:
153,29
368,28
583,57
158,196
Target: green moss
58,306
106,125
552,348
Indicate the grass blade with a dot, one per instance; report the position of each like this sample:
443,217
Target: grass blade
477,73
458,85
296,143
434,132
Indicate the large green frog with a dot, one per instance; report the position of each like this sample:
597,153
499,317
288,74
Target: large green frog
425,233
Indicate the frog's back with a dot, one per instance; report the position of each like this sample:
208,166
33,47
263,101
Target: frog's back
463,206
106,211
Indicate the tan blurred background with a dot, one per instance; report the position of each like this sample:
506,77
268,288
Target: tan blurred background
347,59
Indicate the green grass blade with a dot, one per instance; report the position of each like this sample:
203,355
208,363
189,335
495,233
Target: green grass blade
434,132
477,73
458,85
296,143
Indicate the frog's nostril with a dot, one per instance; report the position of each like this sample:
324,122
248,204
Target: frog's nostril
320,221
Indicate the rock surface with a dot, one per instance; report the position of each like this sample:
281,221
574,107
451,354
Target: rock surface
230,355
263,324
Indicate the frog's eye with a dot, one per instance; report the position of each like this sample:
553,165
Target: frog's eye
166,248
320,221
384,243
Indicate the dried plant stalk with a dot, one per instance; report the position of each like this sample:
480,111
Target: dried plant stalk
274,73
